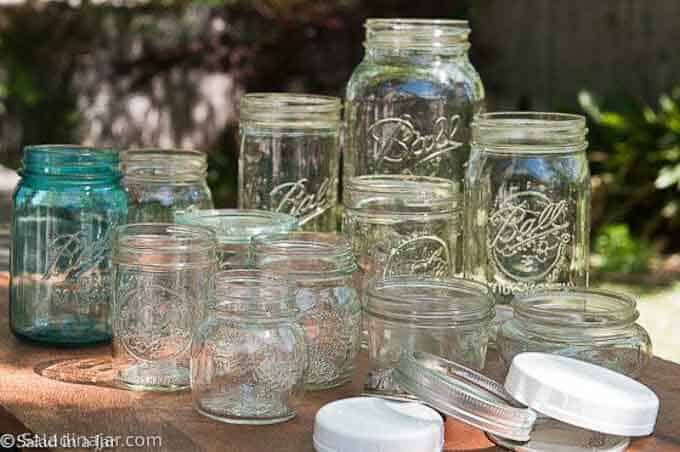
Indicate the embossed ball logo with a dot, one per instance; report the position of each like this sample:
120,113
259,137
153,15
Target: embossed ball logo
154,323
528,236
419,255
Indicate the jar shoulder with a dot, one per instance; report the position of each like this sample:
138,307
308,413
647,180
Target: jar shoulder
104,196
436,78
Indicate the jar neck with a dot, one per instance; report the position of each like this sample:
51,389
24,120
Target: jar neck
290,111
530,132
416,38
164,166
67,164
575,312
400,56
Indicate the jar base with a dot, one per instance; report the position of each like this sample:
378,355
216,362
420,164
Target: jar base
153,377
330,384
232,406
246,420
58,337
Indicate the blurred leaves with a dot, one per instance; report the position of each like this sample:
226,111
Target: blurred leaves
616,251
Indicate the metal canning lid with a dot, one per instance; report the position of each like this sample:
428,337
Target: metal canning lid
550,435
464,394
582,394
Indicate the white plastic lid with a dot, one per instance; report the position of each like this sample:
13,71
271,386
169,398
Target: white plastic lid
364,424
582,394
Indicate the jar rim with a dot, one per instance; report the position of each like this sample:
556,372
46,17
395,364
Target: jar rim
238,226
432,193
163,165
81,163
294,110
577,308
451,300
530,131
151,243
254,294
446,36
330,252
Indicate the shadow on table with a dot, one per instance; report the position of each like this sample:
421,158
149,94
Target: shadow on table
90,371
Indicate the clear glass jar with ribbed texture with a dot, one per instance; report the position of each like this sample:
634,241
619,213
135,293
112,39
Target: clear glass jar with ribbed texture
527,203
594,325
289,156
235,228
249,357
161,285
66,205
450,318
162,182
410,101
326,275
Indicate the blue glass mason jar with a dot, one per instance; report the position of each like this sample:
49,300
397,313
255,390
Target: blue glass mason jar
66,205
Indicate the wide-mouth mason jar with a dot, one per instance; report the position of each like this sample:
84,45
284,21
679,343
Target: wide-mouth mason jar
161,286
249,357
67,203
323,268
527,205
410,101
449,318
594,325
289,156
235,228
162,182
403,225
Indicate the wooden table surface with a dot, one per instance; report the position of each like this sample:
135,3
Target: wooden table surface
33,403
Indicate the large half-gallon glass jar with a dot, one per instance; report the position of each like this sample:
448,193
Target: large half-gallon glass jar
235,228
403,225
592,325
161,182
65,207
326,275
162,274
289,157
449,318
527,203
410,102
249,357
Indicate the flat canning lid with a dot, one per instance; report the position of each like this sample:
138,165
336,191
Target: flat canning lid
464,394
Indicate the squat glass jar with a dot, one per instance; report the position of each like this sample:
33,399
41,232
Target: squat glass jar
449,318
402,225
161,182
66,205
249,357
324,270
527,203
160,293
235,228
289,157
592,325
410,102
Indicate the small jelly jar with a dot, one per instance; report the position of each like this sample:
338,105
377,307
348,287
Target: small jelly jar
248,357
66,205
235,228
160,293
448,318
592,325
161,182
323,267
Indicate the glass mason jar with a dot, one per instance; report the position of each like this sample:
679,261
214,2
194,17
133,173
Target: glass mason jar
249,357
410,102
235,228
449,318
324,270
289,157
66,205
402,225
527,203
161,182
160,293
592,325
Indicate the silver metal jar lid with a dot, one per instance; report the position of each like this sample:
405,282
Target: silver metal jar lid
465,395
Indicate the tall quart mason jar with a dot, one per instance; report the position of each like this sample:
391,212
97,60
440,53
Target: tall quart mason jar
410,102
527,203
66,205
162,182
289,158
